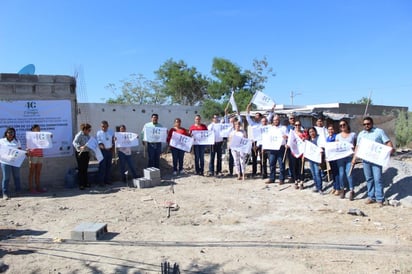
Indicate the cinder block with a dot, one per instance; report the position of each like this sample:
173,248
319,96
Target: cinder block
88,231
151,173
155,182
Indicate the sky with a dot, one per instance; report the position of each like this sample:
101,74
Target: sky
322,51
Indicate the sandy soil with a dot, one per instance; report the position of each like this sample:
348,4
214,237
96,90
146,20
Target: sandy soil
222,226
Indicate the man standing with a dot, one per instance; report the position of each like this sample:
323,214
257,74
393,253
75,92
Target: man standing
105,139
373,172
277,155
216,148
153,148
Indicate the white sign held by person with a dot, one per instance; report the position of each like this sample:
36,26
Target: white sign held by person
262,101
312,152
225,130
373,152
258,131
240,144
126,139
94,147
155,134
233,102
203,137
39,139
337,150
181,141
12,156
295,144
272,140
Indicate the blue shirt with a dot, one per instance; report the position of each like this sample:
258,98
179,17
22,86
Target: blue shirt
375,134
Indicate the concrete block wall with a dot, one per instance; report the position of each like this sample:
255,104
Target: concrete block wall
42,87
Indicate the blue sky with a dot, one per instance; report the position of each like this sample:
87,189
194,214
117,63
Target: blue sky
323,50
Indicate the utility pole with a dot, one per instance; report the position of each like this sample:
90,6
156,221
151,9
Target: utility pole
293,95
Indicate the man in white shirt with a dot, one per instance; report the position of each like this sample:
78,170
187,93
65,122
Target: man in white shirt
216,148
105,139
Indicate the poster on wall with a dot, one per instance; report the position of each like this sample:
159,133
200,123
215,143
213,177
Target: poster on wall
51,115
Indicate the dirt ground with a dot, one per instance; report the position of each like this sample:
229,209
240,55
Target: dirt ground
222,225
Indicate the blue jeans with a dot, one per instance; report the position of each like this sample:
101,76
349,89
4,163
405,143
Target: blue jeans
315,170
105,167
344,166
178,156
199,158
215,150
7,170
153,152
373,176
335,175
276,156
126,160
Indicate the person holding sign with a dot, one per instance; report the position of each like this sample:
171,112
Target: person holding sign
337,189
177,154
216,148
154,147
10,141
345,164
82,154
125,158
35,165
275,147
199,150
239,158
314,166
105,139
372,171
296,163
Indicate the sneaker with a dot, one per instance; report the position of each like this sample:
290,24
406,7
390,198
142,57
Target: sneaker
6,197
342,194
174,173
182,172
269,182
281,182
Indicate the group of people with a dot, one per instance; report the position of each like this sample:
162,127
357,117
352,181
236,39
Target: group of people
35,156
340,170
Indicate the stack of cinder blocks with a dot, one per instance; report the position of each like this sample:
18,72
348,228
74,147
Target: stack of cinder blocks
151,178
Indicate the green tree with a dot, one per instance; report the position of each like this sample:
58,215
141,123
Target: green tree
182,84
136,90
362,101
403,129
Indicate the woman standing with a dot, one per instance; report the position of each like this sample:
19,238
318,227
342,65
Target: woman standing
35,165
199,149
238,157
344,164
177,154
82,154
10,140
314,166
125,158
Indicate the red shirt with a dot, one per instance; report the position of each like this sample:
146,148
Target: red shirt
197,127
181,130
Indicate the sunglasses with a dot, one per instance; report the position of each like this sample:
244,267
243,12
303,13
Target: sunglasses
366,124
342,125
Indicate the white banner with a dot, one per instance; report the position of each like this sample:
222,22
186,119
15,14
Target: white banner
262,101
312,152
53,116
12,156
155,134
233,103
126,139
225,130
273,139
181,141
40,139
203,137
93,145
256,132
337,150
241,144
295,144
373,152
